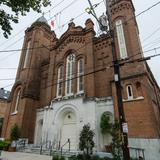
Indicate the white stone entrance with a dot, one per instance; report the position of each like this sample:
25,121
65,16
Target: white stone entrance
68,131
39,131
64,120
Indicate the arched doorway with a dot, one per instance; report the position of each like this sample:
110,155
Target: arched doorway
68,131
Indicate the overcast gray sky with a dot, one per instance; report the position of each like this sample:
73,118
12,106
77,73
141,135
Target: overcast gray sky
149,27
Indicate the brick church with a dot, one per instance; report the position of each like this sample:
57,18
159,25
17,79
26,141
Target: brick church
64,83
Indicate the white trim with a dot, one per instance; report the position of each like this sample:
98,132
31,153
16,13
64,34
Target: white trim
69,74
26,55
14,113
121,39
134,99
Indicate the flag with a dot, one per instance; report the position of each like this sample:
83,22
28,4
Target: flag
52,23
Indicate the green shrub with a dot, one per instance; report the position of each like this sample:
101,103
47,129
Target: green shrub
57,157
14,132
61,158
73,158
96,158
4,144
85,157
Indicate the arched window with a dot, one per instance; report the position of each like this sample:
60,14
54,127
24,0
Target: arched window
26,54
16,107
69,73
80,80
121,39
60,81
129,92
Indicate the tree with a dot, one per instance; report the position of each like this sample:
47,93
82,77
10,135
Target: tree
105,124
86,143
18,7
14,132
114,131
116,141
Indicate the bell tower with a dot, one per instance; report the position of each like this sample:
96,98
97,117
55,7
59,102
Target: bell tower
24,99
35,50
127,41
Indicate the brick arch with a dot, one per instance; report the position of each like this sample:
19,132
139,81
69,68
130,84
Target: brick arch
69,52
18,84
14,99
119,18
79,56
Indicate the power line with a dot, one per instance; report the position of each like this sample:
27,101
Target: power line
143,11
149,8
94,71
139,59
154,42
47,20
151,34
55,29
153,49
54,6
84,12
31,23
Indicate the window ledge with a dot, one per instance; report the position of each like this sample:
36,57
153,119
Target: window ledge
14,113
133,99
58,97
69,95
80,92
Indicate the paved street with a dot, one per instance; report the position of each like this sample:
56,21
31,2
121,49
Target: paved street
23,156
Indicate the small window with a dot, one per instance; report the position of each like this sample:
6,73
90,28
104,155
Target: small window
121,39
26,55
60,81
69,73
80,80
16,107
129,92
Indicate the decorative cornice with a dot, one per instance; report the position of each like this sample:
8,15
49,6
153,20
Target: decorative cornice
121,5
45,26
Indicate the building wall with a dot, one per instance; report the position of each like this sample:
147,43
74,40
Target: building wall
151,148
139,110
85,110
3,108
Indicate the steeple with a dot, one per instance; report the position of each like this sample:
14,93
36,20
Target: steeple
42,19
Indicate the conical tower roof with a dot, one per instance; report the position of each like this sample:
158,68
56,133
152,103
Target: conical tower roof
42,19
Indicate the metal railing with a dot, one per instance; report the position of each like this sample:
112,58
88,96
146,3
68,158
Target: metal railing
21,143
69,147
46,145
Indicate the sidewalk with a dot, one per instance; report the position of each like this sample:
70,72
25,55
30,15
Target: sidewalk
23,156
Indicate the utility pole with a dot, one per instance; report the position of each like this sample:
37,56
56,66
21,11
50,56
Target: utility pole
117,78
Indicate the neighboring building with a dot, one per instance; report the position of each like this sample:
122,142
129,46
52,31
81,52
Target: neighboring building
64,83
3,106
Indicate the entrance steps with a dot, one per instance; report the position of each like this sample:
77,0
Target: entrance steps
30,148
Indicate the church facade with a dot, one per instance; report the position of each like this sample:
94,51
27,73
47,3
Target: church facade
63,84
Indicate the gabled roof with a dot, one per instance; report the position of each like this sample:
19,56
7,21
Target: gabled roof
4,94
